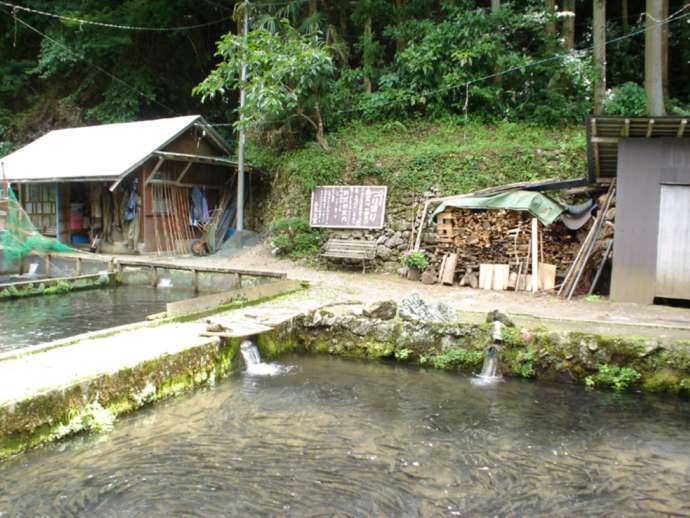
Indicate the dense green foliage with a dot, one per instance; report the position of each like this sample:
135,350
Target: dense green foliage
414,259
613,376
295,238
359,61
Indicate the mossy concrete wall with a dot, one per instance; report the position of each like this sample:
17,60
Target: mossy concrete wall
618,362
56,286
92,404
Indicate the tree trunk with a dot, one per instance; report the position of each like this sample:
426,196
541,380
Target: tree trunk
599,54
366,51
498,80
569,25
653,59
399,42
625,15
320,133
664,52
550,27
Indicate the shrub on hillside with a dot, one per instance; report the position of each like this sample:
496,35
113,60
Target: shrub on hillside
295,238
628,100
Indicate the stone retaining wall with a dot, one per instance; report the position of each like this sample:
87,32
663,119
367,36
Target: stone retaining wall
602,361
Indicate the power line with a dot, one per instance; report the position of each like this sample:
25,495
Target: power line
81,21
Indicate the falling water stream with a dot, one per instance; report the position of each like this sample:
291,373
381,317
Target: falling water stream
348,438
254,365
489,367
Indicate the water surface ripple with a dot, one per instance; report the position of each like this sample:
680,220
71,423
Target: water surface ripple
335,437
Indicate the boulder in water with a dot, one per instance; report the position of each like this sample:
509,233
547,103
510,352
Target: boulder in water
415,308
383,310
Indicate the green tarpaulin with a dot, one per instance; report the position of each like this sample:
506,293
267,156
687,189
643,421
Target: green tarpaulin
540,206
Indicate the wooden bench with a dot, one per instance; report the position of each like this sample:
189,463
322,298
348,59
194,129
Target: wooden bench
350,249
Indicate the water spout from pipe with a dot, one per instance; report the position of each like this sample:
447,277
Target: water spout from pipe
252,361
488,374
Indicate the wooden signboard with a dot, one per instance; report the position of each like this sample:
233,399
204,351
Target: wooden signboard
348,206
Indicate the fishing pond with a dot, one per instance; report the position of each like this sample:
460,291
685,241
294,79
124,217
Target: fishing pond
327,436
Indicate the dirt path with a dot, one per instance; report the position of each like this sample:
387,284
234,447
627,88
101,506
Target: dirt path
608,316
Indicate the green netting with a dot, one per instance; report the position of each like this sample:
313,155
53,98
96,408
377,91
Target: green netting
18,236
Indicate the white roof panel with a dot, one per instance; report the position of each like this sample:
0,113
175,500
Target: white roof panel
94,152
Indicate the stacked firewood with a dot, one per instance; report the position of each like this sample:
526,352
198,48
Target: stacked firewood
500,237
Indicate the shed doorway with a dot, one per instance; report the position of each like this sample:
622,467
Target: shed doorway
673,247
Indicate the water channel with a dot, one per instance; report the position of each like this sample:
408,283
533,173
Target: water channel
335,437
36,320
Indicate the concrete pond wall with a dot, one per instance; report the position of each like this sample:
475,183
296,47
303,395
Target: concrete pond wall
592,359
417,333
93,404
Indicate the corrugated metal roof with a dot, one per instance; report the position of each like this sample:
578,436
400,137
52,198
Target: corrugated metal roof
106,152
604,133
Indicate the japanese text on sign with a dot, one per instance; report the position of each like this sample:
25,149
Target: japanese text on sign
348,206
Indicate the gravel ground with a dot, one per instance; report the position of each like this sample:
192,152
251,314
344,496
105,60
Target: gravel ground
353,285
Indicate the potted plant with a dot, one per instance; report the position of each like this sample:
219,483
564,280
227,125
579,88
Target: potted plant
416,262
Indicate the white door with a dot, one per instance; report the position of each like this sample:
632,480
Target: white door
673,248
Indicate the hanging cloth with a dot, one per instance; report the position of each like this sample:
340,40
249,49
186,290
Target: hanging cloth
199,206
131,210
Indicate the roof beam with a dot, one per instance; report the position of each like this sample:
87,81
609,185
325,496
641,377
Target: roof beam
681,127
196,159
155,170
184,171
605,140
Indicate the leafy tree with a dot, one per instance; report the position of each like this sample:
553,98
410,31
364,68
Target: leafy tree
287,72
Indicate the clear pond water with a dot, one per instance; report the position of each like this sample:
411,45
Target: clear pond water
335,437
36,320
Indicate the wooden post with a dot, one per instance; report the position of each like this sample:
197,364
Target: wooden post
154,276
78,266
535,251
47,264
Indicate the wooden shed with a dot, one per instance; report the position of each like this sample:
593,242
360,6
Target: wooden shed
650,159
138,186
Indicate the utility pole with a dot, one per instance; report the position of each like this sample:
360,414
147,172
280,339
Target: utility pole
240,151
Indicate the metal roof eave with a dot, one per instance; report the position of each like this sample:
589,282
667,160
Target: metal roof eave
64,179
605,132
141,162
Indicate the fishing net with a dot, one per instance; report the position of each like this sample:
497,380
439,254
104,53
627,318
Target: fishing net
18,236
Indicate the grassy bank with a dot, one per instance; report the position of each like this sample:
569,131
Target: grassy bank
414,157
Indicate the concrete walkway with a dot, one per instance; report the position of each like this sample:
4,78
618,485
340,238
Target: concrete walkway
610,317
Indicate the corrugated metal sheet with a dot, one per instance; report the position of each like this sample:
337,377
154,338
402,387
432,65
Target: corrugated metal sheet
605,133
105,152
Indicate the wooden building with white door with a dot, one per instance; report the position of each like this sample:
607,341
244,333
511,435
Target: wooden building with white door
650,160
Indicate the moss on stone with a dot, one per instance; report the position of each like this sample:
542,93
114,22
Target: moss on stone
665,380
59,413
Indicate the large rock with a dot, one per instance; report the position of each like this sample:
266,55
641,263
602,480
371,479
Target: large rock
383,252
414,308
499,316
429,277
383,310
